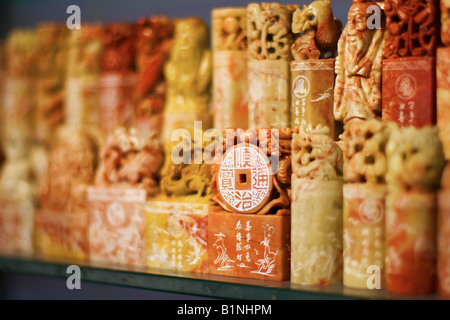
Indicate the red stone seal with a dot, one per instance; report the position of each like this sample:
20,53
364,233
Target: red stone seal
245,179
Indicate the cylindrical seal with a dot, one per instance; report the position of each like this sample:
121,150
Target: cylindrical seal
411,243
364,231
269,100
316,236
229,43
312,87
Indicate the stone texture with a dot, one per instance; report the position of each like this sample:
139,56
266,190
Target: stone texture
412,28
364,232
443,97
443,244
130,159
249,246
118,78
82,103
117,99
16,226
316,232
50,81
177,233
230,93
154,37
316,30
62,219
411,243
269,94
188,79
358,67
364,148
117,226
229,29
409,95
269,33
312,89
445,22
415,160
62,234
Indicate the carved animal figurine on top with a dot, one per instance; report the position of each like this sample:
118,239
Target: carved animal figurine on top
276,182
412,28
131,160
188,177
358,67
229,29
315,155
317,30
188,71
154,40
72,164
269,31
416,160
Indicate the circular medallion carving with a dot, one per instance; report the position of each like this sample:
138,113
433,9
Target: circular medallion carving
371,210
245,179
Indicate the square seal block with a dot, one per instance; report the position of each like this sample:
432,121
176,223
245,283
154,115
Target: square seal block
268,94
16,227
62,234
408,93
312,89
411,242
248,245
177,232
117,225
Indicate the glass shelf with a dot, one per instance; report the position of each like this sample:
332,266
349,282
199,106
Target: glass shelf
204,285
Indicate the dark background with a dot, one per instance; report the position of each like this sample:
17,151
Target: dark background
28,13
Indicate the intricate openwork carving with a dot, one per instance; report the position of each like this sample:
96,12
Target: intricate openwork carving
416,159
229,27
315,155
318,31
364,147
411,28
254,168
130,160
269,31
358,67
